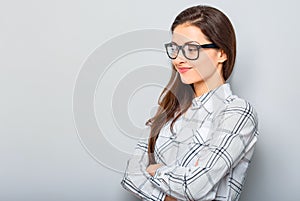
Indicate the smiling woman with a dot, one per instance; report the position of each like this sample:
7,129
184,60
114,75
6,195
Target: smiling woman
202,136
194,68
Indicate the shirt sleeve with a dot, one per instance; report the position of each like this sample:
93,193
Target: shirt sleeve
233,135
136,179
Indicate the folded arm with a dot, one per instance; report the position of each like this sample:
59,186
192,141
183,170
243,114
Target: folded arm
234,135
137,180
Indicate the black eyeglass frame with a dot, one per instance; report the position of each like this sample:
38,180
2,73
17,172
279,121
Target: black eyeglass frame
181,47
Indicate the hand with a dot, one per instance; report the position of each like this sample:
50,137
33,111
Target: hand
151,169
169,198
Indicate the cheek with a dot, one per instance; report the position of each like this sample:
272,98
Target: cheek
206,64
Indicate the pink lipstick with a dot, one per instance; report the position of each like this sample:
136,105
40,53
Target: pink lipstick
183,69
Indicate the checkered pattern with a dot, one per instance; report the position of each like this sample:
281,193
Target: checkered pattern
207,156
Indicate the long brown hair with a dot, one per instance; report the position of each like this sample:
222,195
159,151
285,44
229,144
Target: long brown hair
177,97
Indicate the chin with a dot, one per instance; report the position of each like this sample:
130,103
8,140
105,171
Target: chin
189,81
186,81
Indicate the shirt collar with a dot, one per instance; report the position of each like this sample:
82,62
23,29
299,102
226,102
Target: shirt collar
210,100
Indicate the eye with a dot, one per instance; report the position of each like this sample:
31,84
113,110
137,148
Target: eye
173,47
192,48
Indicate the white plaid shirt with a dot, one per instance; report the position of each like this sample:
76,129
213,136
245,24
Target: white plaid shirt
206,158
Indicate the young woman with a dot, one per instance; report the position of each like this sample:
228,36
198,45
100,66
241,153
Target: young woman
202,136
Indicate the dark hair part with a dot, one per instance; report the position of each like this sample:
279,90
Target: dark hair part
177,97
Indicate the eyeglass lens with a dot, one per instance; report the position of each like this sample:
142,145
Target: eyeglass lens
190,51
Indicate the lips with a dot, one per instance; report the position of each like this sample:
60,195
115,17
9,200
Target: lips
183,69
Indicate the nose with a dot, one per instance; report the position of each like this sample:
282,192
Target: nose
180,58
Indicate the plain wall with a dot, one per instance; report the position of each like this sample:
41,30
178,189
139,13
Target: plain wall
44,45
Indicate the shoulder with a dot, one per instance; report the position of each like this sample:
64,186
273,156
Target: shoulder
238,111
235,103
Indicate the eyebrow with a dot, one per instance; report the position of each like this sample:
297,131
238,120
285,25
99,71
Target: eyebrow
192,41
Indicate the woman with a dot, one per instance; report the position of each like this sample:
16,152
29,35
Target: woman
202,136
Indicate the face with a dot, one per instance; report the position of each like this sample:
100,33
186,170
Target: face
209,64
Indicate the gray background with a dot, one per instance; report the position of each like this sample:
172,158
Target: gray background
43,46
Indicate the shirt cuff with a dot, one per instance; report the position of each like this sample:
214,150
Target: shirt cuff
160,179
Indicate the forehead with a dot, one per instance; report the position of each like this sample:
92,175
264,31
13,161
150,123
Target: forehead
184,33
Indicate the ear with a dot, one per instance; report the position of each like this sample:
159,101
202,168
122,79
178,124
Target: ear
222,56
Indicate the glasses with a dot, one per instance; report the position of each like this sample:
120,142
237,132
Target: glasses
189,50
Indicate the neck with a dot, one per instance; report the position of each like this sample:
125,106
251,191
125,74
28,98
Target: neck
209,84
